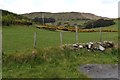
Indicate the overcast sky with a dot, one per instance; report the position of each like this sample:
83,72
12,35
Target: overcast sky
105,8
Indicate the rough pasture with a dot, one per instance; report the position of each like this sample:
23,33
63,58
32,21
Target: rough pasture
20,38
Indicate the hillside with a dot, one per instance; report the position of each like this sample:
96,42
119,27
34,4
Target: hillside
64,15
9,18
65,19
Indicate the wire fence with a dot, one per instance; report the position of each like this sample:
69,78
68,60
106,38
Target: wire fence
21,40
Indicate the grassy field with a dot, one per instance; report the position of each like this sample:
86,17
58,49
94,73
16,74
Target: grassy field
20,38
49,60
53,63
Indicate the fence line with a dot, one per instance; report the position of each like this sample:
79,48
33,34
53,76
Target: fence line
61,37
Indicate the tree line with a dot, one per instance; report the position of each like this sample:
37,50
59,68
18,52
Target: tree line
98,23
43,20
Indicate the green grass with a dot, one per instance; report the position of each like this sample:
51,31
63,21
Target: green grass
53,63
20,38
79,22
49,61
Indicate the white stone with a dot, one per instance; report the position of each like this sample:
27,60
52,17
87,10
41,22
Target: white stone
75,45
80,46
89,46
101,48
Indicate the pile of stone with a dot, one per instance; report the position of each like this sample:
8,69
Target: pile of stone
101,46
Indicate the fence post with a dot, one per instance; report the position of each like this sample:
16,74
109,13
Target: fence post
100,34
34,39
60,38
1,52
76,34
43,18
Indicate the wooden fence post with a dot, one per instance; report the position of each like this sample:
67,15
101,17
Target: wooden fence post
60,38
34,39
100,34
76,34
1,52
43,18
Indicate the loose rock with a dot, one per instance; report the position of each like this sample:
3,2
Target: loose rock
101,46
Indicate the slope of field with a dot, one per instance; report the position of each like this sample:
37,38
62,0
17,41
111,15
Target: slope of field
20,38
9,18
53,63
63,15
20,60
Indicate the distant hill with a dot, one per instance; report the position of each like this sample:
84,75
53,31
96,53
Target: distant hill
63,16
66,19
9,18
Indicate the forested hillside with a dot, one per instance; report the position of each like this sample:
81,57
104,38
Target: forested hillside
9,18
